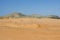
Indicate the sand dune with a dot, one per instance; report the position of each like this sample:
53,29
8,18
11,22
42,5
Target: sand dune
30,29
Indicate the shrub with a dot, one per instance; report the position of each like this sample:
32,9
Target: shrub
53,16
1,17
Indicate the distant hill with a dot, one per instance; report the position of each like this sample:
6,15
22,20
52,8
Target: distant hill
20,15
15,15
36,16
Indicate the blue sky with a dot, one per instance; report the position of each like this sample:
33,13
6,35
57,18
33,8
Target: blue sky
42,7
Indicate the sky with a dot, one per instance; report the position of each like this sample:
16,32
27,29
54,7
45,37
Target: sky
28,7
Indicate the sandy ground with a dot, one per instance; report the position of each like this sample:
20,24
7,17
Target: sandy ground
30,29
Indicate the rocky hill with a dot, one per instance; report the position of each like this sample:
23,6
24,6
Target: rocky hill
20,15
15,15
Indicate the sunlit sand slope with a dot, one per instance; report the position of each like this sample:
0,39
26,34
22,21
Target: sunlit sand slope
30,29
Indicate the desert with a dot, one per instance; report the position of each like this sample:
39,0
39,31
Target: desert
29,19
30,29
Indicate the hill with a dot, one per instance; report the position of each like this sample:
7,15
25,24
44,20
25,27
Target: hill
20,15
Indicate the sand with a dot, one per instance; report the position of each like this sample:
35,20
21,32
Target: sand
30,29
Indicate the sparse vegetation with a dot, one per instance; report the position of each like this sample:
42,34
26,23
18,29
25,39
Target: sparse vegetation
20,15
1,17
53,16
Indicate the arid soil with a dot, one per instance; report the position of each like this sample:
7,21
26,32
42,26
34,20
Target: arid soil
30,29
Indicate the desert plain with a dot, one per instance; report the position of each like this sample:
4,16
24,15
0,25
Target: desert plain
29,29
